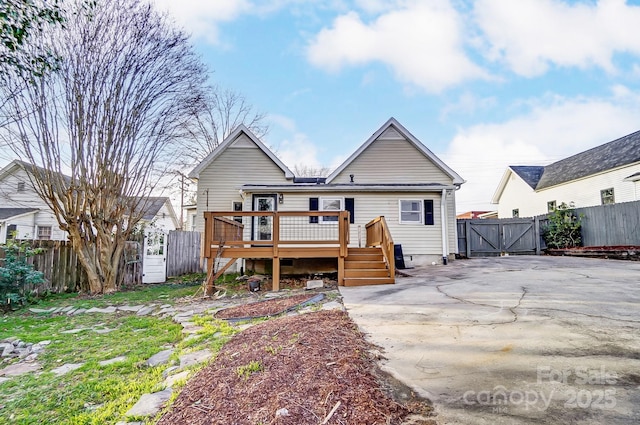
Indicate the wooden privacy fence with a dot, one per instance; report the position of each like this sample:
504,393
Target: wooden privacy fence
495,237
183,253
64,273
602,225
611,225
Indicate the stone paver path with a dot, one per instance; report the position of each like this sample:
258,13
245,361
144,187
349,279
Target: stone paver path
148,404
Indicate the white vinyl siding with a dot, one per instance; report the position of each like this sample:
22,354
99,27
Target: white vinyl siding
415,240
392,161
583,192
11,197
220,183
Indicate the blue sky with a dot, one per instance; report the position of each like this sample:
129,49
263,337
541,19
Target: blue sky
483,84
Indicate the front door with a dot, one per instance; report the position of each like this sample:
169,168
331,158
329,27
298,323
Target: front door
154,263
263,226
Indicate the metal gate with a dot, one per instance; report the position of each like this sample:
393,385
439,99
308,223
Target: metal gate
496,237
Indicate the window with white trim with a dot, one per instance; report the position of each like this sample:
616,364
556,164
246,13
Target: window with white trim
410,211
44,232
331,204
551,206
607,196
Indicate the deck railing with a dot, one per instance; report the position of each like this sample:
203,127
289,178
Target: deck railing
274,234
378,234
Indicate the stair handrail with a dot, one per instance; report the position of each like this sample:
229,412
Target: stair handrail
378,234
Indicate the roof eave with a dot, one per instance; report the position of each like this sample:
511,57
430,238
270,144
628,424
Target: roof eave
347,188
503,183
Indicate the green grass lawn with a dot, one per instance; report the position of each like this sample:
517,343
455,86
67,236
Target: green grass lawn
96,394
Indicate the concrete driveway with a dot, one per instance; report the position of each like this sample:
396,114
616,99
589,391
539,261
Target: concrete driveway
512,340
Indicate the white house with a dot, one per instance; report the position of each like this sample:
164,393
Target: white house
22,212
606,174
392,174
24,215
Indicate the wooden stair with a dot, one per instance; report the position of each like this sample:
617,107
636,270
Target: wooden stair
366,266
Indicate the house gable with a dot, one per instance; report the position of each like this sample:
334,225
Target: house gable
393,155
530,175
240,138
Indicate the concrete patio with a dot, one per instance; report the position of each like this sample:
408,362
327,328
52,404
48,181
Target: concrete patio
513,340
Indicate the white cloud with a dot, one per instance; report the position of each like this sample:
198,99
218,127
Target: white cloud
293,147
468,103
201,18
553,129
422,42
531,35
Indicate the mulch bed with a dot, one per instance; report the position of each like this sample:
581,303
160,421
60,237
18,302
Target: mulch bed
314,368
263,308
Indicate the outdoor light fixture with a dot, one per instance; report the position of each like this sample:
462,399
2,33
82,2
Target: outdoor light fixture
280,198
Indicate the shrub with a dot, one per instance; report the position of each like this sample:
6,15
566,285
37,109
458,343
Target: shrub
563,229
16,273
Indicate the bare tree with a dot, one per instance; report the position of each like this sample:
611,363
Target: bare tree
108,118
309,171
217,114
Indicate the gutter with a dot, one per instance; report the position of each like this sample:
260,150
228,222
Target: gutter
346,188
443,220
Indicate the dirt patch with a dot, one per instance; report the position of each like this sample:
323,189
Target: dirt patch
299,370
263,308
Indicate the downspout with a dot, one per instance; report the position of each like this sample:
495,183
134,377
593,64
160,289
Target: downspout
443,225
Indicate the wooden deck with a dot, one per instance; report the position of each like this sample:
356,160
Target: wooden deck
297,234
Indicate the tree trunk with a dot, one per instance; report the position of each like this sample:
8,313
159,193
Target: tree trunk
87,259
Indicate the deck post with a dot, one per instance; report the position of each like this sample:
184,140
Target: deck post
341,271
276,274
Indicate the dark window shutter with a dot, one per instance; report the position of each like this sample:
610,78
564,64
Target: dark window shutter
313,206
428,212
349,205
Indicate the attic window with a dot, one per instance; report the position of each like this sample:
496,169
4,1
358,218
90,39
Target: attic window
607,197
21,186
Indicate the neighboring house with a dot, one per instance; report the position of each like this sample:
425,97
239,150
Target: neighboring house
606,174
24,214
190,213
392,175
476,214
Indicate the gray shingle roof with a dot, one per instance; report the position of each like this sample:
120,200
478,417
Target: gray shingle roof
622,151
6,213
529,173
151,206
